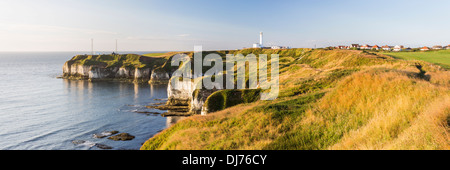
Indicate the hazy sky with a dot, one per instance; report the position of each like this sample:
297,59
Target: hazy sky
165,25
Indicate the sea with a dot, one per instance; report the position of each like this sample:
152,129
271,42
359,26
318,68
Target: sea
39,111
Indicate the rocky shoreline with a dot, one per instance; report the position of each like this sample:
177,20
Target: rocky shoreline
111,136
183,101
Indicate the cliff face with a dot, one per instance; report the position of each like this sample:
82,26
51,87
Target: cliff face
128,67
97,72
159,77
183,93
70,69
179,92
199,98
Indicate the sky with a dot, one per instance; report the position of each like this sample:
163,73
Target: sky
179,25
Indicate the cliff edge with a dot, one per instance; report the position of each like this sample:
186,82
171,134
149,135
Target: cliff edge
127,67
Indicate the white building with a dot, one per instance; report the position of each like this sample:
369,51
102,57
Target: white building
398,48
386,48
276,47
279,47
425,49
366,47
437,47
375,47
260,44
356,46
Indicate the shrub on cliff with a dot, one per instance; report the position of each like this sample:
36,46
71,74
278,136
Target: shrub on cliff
228,98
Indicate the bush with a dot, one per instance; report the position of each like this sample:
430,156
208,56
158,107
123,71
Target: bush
228,98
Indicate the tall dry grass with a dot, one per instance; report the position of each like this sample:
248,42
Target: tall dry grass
379,106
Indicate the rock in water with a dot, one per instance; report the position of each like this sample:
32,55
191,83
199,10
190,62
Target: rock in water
78,142
158,104
122,137
147,113
102,146
84,143
105,134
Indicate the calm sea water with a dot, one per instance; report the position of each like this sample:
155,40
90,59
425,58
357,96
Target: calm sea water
40,112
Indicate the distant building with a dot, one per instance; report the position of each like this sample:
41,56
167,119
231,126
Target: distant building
366,47
425,49
342,47
386,48
279,47
260,44
275,47
408,49
375,47
398,48
448,47
257,45
354,46
437,47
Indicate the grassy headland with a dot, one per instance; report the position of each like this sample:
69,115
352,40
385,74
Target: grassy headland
119,60
329,99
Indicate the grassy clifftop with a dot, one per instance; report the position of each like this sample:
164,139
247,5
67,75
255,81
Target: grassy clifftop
119,60
330,99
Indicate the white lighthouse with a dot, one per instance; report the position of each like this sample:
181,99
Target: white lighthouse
261,39
260,44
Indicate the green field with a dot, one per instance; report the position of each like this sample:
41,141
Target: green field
154,54
441,57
